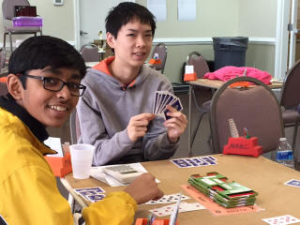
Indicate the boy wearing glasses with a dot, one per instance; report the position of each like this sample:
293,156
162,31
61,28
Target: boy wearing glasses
115,114
44,87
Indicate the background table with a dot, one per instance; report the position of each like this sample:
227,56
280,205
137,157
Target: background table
262,175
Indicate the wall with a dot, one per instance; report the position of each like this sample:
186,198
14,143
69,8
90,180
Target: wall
214,18
57,20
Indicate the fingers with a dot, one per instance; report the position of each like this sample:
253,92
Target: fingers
138,125
144,188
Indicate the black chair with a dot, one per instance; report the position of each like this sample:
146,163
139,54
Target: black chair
290,99
255,108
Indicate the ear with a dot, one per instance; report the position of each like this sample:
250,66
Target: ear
110,40
14,86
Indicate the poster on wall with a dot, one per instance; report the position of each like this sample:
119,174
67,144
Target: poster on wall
158,9
186,10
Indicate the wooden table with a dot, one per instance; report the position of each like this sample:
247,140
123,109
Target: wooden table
214,84
261,174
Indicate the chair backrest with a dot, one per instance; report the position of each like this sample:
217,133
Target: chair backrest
290,92
89,53
74,127
3,89
162,51
199,63
255,108
8,7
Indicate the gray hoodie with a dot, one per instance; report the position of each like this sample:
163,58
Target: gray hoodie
104,112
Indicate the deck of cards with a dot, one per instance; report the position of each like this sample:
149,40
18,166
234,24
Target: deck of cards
92,194
162,99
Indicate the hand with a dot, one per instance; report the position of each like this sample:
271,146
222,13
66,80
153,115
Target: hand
176,124
138,124
144,189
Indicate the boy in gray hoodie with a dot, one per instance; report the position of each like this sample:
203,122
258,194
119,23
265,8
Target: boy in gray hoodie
115,113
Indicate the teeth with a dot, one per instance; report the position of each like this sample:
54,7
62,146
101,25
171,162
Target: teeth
139,54
58,108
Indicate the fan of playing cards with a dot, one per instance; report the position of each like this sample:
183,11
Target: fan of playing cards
162,99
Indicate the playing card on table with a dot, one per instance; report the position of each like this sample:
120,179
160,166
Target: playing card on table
195,162
282,220
162,99
294,183
87,193
167,199
184,207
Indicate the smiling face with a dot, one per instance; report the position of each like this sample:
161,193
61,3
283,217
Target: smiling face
48,107
132,45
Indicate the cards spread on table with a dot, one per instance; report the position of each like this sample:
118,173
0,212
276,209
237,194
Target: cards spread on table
166,199
282,220
195,162
162,99
294,183
92,194
183,207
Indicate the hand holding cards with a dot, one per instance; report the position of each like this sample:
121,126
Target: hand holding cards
162,99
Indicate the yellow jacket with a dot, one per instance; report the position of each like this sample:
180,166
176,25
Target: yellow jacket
28,191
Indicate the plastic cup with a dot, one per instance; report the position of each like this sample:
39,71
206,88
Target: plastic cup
81,158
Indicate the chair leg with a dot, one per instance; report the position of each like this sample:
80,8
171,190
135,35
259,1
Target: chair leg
295,136
4,41
10,39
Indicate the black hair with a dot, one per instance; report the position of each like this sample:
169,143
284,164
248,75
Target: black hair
42,51
124,13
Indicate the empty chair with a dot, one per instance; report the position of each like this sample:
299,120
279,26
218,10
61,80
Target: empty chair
201,96
3,88
162,51
290,99
90,53
8,11
255,108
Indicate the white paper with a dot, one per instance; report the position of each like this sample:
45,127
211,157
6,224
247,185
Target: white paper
97,173
54,144
158,8
189,69
186,9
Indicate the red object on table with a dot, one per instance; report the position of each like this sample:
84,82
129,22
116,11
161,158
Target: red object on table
155,61
243,146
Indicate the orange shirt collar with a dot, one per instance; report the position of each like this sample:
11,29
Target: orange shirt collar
103,67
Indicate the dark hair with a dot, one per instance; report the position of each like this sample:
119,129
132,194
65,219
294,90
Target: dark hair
42,51
124,13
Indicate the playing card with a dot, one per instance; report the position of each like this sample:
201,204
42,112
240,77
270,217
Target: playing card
294,183
282,220
184,207
166,199
95,197
181,163
87,193
162,99
96,189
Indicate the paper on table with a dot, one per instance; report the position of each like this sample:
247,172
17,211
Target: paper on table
55,144
97,173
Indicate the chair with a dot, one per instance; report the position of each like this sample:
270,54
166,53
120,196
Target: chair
290,99
201,96
90,53
162,51
255,108
74,127
3,89
8,10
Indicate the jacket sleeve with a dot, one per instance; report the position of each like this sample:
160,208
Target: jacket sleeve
93,132
33,198
117,208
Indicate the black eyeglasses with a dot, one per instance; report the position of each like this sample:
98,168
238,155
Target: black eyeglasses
56,84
